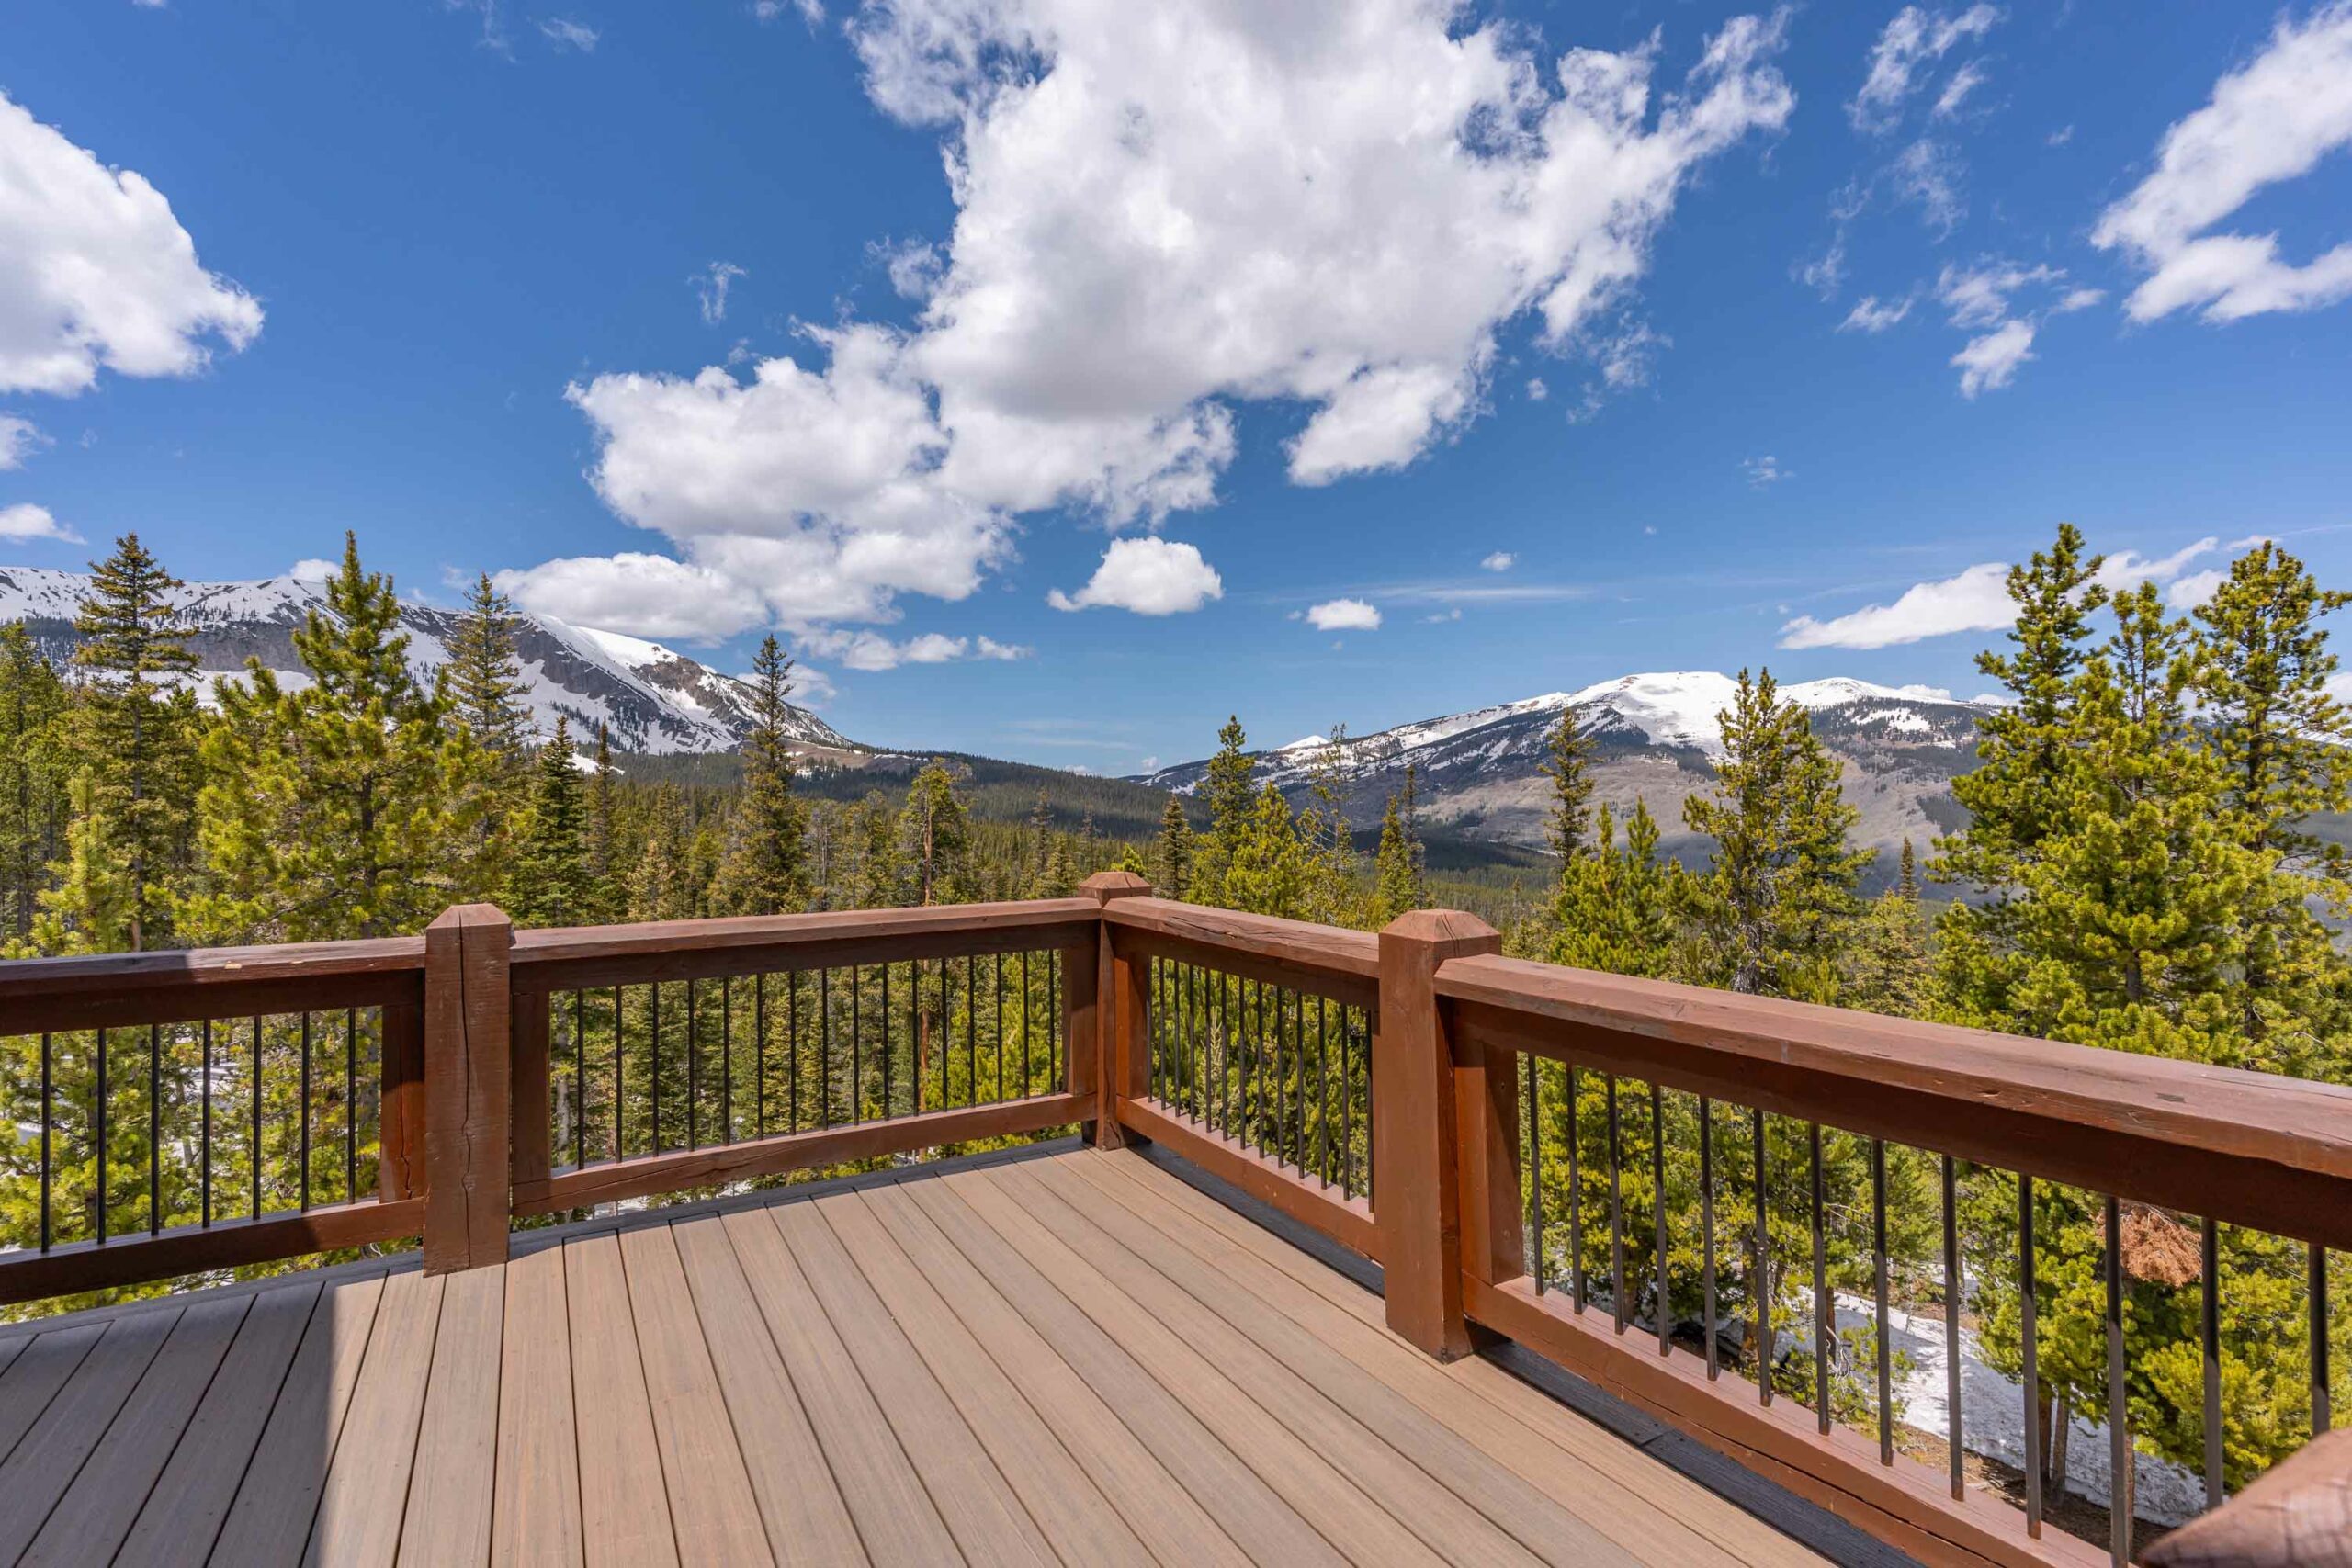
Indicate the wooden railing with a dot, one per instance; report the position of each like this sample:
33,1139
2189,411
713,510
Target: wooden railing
1489,1131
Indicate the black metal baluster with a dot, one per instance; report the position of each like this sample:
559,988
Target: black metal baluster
257,1170
1954,1436
580,1078
856,1045
101,1108
759,1052
1323,1089
1298,1069
1028,1017
2321,1397
655,1000
1056,1055
727,1059
351,1105
825,1046
972,1032
1616,1207
1886,1343
1576,1281
48,1116
693,1071
620,1122
1229,1082
154,1131
792,1034
2210,1336
1825,1308
2121,1477
204,1143
1534,1172
1760,1284
889,1082
2029,1351
1657,1216
302,1188
1364,1054
1707,1228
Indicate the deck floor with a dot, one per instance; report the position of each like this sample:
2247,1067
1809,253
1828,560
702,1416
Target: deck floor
1077,1358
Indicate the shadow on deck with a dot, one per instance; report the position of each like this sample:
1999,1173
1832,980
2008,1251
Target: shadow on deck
1074,1356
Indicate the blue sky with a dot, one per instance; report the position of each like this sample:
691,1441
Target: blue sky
1249,283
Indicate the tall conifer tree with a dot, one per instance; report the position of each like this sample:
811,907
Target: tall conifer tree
766,872
552,883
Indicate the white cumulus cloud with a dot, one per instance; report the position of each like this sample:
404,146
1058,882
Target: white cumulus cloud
1337,205
2271,120
1977,600
1344,615
95,273
1500,561
24,521
861,650
19,439
643,595
1149,576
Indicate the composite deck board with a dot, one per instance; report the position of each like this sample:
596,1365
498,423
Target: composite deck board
278,1492
1073,1358
98,1510
535,1503
625,1511
1666,1516
181,1514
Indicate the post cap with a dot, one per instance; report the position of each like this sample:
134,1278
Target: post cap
1105,885
1453,932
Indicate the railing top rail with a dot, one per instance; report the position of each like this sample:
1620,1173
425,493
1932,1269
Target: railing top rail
557,944
2249,1148
1332,949
109,990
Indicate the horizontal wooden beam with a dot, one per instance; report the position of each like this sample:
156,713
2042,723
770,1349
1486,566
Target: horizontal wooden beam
124,990
1345,1220
651,1174
194,1250
1906,1503
1252,946
573,957
2245,1148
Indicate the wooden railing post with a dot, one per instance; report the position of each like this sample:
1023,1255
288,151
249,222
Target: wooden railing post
1122,1064
1418,1121
468,1088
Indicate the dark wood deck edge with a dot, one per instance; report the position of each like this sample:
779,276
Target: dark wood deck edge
1802,1521
538,1237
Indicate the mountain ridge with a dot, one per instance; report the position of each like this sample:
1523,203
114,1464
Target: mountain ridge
653,698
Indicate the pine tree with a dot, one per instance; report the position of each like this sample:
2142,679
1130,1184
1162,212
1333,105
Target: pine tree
1780,895
1172,861
603,862
934,836
1326,843
1616,908
1267,875
135,735
766,871
2285,750
1569,767
341,809
486,687
552,883
1230,799
1886,961
1399,877
33,778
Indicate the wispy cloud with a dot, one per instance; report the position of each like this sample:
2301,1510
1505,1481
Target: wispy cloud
710,287
565,33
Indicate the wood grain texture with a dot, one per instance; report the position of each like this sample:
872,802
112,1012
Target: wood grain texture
1123,1062
790,1477
190,1249
895,1518
110,989
37,1474
2250,1148
1415,1132
711,1506
366,1498
535,1509
625,1514
468,1088
33,1378
456,1447
1345,1219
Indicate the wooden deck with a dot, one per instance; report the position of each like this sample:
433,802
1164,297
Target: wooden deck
1076,1357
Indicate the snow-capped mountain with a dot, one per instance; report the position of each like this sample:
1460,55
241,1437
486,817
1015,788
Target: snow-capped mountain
1481,772
653,698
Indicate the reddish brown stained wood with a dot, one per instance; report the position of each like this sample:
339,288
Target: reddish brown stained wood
1081,1016
678,950
1486,1103
400,1171
1124,1065
2250,1148
1906,1503
798,1151
467,1084
533,1117
105,990
1416,1168
1348,1221
90,1266
1312,947
1343,989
